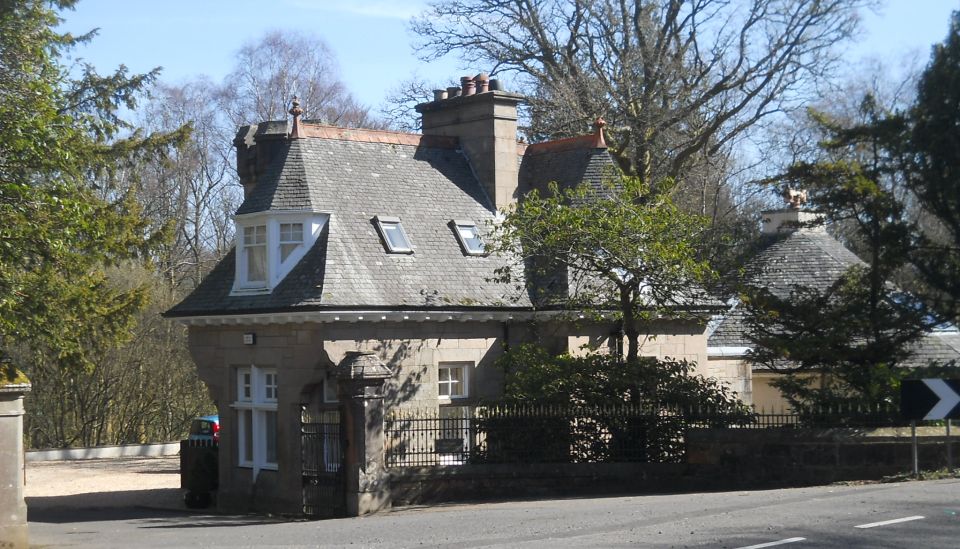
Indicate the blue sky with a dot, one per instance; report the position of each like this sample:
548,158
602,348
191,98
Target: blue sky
370,37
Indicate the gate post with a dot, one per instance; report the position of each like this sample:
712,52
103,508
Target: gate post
13,510
361,379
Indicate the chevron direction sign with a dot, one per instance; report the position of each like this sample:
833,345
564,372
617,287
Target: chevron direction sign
930,398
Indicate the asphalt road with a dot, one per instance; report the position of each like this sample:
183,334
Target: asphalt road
926,514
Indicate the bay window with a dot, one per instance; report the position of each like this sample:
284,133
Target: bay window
270,244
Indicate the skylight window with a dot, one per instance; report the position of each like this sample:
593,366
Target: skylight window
469,237
393,235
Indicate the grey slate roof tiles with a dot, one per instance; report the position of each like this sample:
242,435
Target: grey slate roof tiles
813,258
348,267
568,167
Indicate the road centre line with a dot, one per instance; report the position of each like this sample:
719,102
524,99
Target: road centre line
886,522
773,543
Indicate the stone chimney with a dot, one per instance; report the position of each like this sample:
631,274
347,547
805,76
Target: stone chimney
484,119
256,147
791,217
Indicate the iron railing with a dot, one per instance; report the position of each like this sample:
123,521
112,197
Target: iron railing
576,434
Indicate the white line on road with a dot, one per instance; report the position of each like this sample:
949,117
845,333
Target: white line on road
886,522
773,543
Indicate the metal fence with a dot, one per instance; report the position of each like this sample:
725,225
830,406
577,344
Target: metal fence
569,434
321,445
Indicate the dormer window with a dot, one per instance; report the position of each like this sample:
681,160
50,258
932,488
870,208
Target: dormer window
269,246
394,237
469,237
291,237
255,254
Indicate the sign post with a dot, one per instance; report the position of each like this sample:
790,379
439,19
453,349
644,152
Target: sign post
930,400
949,449
914,455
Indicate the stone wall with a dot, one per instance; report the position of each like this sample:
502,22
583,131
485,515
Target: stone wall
735,374
790,457
305,356
718,459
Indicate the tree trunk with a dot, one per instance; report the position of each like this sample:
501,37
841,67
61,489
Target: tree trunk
629,324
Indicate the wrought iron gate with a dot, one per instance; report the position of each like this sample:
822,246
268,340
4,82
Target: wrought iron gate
321,444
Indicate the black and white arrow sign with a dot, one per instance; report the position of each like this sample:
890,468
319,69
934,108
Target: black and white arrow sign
930,398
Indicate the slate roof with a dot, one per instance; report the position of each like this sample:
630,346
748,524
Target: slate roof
809,256
348,267
568,162
812,258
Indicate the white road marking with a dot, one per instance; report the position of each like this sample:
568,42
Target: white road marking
773,543
894,521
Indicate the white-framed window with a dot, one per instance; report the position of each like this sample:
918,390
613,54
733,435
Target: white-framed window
452,380
291,237
256,408
394,237
270,244
255,255
469,237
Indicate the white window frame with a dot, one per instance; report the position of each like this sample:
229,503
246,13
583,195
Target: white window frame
277,268
383,222
257,397
464,382
287,239
257,230
459,226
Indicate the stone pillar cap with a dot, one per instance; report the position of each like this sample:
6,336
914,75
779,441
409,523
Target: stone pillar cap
13,380
360,365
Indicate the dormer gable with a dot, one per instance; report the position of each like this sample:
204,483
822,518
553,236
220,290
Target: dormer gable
270,244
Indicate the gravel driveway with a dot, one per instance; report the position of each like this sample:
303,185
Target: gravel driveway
104,483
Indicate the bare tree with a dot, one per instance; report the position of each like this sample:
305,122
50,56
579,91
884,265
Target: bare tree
398,110
282,64
678,81
194,190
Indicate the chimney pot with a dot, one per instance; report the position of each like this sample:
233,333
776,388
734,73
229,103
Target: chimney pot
483,81
439,95
468,84
453,91
494,85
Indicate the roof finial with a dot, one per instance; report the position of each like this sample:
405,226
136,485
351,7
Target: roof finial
598,125
296,111
795,199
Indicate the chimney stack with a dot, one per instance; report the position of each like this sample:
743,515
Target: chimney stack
792,217
484,119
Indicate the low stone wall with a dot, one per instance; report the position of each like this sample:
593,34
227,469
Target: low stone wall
416,485
718,459
105,452
785,457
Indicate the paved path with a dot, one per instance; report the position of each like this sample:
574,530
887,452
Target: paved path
911,514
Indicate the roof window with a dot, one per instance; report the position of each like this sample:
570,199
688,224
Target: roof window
469,237
394,237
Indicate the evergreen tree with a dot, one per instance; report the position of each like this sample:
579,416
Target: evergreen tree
851,339
935,178
62,146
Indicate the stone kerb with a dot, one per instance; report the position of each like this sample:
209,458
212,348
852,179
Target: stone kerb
361,377
13,510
